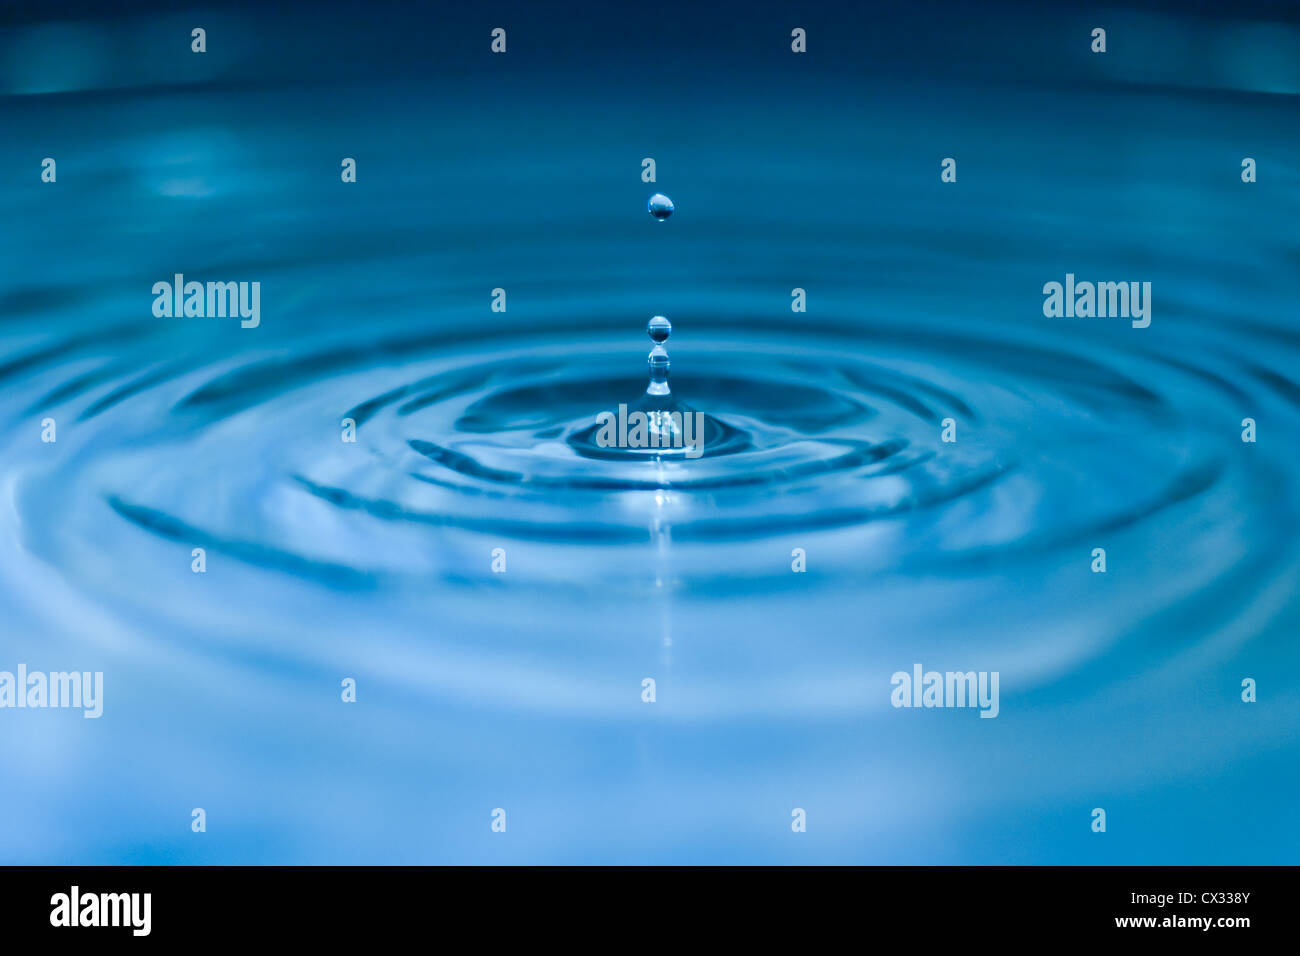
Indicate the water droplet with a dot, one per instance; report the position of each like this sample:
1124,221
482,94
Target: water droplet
660,206
659,329
658,362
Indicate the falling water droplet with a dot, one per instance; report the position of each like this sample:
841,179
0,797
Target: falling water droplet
660,206
658,329
672,430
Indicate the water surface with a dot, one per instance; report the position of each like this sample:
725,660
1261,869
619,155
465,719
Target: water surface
374,559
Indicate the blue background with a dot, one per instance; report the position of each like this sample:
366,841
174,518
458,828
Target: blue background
523,690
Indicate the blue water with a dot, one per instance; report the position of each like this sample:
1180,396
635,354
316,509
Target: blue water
522,690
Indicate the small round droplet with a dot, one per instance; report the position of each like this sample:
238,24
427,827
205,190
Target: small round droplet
660,206
659,329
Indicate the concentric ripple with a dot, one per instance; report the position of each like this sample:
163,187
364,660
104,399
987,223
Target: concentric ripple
987,451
